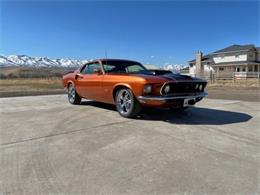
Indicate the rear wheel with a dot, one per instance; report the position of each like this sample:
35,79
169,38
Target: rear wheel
126,104
73,96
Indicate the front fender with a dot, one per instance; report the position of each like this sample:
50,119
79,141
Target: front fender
136,88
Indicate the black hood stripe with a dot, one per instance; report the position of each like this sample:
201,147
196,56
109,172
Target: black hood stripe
176,77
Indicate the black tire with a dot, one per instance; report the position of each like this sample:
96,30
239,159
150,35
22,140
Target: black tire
73,96
126,103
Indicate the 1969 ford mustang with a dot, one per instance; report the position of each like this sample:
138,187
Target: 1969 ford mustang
129,85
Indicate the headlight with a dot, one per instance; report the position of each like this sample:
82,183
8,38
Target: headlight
200,87
197,86
147,88
167,89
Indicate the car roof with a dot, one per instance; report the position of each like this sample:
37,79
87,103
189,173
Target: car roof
111,59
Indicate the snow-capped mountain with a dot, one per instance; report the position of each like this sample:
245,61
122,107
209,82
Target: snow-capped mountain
174,68
24,60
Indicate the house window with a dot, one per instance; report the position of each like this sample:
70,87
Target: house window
237,56
256,68
238,69
244,69
250,68
221,69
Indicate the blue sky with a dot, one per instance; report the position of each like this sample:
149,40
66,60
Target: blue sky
157,32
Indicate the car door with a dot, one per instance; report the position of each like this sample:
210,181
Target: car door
89,81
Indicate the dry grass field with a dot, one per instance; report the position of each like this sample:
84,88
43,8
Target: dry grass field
30,84
28,87
32,72
55,83
243,90
237,83
24,81
21,81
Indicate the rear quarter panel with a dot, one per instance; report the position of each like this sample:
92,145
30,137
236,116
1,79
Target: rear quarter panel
68,78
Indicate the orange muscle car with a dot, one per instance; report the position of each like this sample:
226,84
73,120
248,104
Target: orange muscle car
129,85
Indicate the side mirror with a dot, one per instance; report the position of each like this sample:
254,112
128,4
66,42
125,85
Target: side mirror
97,71
78,75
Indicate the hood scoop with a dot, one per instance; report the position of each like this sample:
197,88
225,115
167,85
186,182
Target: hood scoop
176,77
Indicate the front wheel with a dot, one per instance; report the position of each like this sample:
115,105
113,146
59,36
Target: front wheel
126,104
73,96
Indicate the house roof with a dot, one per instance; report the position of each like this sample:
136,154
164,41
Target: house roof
230,49
234,48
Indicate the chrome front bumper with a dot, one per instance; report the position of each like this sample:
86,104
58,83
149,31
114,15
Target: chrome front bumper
143,99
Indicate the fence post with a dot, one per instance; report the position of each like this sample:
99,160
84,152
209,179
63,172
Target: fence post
211,76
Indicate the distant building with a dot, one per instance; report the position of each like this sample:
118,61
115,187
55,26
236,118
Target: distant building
232,59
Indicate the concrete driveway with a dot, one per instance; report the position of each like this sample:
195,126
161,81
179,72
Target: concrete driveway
50,146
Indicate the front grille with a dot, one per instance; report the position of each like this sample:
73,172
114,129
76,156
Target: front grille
180,88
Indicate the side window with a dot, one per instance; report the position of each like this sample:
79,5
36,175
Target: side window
108,68
84,70
90,68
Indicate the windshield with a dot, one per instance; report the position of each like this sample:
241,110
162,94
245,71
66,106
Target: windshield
123,66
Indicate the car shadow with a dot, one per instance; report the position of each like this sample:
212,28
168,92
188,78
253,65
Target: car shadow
191,116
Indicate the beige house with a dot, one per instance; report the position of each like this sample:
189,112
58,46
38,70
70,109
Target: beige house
238,60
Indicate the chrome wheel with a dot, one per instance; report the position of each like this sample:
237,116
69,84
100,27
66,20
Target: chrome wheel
71,94
126,104
124,101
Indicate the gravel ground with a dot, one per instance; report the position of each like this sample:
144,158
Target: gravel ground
251,94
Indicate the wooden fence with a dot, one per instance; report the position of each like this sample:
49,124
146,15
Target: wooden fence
235,76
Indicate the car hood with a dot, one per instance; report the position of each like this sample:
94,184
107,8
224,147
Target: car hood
169,77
